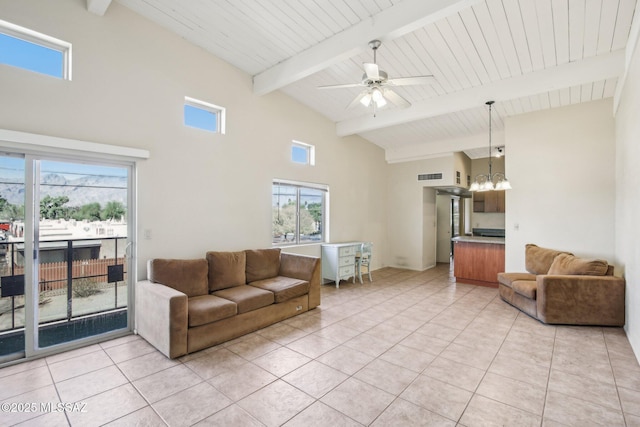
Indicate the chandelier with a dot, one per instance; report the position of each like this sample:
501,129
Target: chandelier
491,181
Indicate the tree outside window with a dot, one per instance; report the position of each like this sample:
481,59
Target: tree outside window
297,214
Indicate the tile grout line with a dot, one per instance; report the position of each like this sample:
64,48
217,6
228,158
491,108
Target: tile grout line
615,381
130,382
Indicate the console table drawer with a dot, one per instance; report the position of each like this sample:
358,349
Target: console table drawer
347,271
347,251
346,260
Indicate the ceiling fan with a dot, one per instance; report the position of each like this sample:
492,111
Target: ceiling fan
378,85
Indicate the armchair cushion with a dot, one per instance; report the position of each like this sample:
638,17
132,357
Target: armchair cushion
188,276
538,260
247,297
569,264
262,264
226,269
209,308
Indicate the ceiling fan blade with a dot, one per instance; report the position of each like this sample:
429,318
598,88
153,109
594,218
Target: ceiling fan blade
408,81
372,71
341,86
396,99
356,100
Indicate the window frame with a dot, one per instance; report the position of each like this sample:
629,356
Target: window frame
220,113
298,185
43,40
309,149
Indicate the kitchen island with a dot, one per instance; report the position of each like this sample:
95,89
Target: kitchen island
478,260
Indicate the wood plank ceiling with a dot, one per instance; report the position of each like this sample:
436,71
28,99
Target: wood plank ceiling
528,55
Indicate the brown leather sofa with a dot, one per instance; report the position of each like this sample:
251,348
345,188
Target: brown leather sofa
188,305
560,288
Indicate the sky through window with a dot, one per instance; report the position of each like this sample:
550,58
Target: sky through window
31,56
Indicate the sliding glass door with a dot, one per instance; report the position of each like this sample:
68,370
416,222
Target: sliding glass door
12,286
65,268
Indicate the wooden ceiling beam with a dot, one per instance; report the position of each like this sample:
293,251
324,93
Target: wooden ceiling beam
572,74
396,21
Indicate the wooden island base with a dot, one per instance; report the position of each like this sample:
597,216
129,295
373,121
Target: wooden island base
477,261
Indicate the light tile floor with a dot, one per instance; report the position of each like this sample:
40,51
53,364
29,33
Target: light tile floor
408,349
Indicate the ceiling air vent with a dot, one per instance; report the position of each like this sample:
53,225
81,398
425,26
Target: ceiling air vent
429,176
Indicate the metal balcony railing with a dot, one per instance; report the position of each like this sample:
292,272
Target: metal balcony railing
76,278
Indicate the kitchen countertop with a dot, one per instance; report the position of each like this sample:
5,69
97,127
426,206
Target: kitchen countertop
478,239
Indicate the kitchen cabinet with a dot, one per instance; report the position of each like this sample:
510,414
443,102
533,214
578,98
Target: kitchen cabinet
478,260
489,201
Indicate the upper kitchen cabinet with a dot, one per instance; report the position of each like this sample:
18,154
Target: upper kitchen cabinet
489,201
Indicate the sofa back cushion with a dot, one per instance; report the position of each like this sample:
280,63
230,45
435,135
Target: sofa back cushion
262,264
188,276
538,260
569,264
226,269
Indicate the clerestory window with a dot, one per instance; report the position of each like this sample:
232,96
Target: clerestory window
204,115
24,48
303,153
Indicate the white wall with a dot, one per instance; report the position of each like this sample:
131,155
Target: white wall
412,212
628,196
561,164
443,228
198,191
429,231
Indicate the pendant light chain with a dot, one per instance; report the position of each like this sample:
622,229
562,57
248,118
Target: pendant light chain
490,103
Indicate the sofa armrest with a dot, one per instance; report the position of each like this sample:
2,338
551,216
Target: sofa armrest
161,317
581,300
304,268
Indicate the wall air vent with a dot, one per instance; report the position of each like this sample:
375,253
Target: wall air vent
429,176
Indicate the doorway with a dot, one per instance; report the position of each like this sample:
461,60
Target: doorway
450,220
65,235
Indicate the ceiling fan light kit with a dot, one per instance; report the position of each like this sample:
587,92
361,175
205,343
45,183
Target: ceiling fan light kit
486,182
374,96
378,92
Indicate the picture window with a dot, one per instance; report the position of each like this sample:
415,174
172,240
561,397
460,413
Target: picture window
298,212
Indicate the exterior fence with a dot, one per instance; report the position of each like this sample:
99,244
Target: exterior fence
53,276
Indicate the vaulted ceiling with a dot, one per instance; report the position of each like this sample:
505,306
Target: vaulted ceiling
526,55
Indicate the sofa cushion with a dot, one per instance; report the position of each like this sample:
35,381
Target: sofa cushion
283,288
526,288
538,260
247,298
209,308
188,276
507,279
569,264
226,269
262,264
